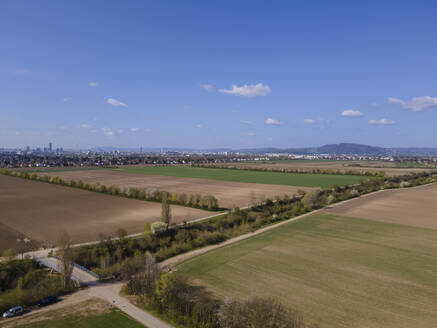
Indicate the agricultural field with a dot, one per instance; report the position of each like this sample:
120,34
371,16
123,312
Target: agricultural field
390,168
276,178
228,194
40,211
89,314
337,271
410,206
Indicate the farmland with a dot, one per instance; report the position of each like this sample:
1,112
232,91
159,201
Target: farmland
276,178
229,194
390,168
40,211
337,271
410,206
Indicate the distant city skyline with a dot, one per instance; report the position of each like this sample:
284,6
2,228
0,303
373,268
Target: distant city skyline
223,74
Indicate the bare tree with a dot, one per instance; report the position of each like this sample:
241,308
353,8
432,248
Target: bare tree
165,208
66,254
257,312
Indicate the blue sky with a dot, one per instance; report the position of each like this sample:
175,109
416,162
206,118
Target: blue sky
205,74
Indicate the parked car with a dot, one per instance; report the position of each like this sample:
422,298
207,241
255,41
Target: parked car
18,310
47,301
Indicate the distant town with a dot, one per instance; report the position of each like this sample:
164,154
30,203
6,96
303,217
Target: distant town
49,156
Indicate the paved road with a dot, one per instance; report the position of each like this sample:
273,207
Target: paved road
111,294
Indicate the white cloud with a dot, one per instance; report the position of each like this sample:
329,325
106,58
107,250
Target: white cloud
199,126
251,134
67,99
352,113
93,84
133,129
84,126
416,104
251,91
271,121
382,121
207,87
245,122
115,102
374,105
108,132
309,121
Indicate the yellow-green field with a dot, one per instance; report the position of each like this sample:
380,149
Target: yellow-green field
337,271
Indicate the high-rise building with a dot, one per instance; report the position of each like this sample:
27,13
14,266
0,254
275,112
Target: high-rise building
50,147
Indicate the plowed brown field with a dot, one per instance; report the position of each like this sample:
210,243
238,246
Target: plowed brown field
229,194
411,206
356,166
40,211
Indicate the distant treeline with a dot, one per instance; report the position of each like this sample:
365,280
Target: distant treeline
111,256
205,202
291,170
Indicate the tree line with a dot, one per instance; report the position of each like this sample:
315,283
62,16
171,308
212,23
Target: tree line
292,170
205,202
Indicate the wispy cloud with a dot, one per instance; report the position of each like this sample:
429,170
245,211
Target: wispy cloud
309,121
374,105
199,126
19,71
271,121
67,99
115,102
93,84
207,87
84,126
352,113
147,130
134,129
251,134
251,91
108,132
382,121
416,104
245,122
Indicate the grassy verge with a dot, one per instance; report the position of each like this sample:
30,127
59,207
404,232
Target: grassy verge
278,178
111,319
337,271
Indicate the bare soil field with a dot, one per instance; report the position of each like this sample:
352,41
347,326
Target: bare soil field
40,211
228,194
357,166
411,206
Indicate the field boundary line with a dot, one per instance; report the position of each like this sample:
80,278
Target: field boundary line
178,259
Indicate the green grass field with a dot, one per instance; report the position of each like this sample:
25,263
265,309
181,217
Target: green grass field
279,178
112,319
337,271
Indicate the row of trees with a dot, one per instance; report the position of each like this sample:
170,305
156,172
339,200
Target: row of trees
174,297
206,202
292,170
